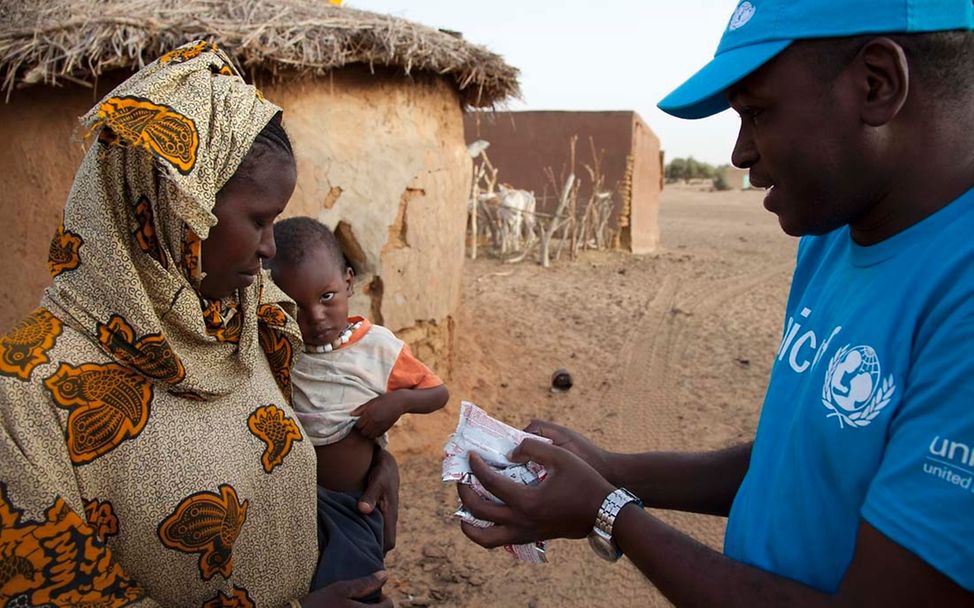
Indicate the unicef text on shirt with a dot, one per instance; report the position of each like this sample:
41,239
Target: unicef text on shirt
951,461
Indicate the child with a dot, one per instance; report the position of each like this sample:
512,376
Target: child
347,363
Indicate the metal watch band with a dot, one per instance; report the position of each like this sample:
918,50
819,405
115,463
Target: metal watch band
610,508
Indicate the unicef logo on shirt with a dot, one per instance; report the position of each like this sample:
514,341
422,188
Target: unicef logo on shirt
854,388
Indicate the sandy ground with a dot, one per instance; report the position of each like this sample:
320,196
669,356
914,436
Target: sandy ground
668,352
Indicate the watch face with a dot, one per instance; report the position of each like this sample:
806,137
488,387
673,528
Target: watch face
606,549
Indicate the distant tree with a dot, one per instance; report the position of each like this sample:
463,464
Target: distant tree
688,168
676,170
700,170
720,182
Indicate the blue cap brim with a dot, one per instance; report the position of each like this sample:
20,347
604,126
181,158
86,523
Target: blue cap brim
704,94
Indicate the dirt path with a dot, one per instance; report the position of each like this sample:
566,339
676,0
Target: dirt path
668,352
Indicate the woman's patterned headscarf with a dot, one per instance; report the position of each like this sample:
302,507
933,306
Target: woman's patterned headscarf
126,258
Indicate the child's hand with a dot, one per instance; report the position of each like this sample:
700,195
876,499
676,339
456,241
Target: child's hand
377,416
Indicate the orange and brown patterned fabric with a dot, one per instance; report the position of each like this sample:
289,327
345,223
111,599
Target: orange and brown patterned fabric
150,453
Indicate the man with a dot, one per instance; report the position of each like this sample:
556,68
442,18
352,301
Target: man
857,489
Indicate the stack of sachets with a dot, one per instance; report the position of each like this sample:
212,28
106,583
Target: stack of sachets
493,441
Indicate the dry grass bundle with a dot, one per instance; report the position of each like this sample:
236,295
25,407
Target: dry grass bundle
77,40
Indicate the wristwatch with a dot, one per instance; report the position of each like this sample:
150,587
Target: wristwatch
600,538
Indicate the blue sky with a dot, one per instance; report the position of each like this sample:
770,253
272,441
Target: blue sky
608,55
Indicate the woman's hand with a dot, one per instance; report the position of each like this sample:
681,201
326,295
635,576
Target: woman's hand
344,594
377,416
577,444
564,505
382,490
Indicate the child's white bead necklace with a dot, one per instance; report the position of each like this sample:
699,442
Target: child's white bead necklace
342,338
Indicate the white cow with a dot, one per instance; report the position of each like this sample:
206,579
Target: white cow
507,215
515,217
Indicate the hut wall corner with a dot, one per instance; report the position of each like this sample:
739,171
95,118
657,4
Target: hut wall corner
646,185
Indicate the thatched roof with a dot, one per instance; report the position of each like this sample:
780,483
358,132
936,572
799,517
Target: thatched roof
48,41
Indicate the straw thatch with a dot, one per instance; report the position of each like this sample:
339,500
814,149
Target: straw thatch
47,41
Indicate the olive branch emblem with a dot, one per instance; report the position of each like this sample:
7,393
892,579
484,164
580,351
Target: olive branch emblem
864,416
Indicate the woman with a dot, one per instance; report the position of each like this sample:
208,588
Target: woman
150,454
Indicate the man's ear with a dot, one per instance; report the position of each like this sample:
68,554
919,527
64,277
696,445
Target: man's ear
884,76
349,279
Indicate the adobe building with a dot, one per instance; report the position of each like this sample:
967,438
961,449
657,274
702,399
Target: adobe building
737,179
373,105
523,144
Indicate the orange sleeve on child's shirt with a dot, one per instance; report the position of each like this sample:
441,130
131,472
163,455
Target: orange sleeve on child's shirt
409,372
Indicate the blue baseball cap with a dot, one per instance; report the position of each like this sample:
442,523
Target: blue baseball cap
760,29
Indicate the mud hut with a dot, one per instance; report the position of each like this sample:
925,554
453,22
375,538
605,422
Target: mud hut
736,179
374,106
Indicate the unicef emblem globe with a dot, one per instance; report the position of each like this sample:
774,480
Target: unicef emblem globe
854,380
854,390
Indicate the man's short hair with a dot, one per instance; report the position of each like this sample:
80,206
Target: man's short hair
297,236
941,62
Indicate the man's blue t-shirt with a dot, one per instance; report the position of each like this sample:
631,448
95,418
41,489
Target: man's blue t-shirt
870,407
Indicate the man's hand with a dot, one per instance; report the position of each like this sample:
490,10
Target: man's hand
564,505
577,444
382,490
377,416
344,594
